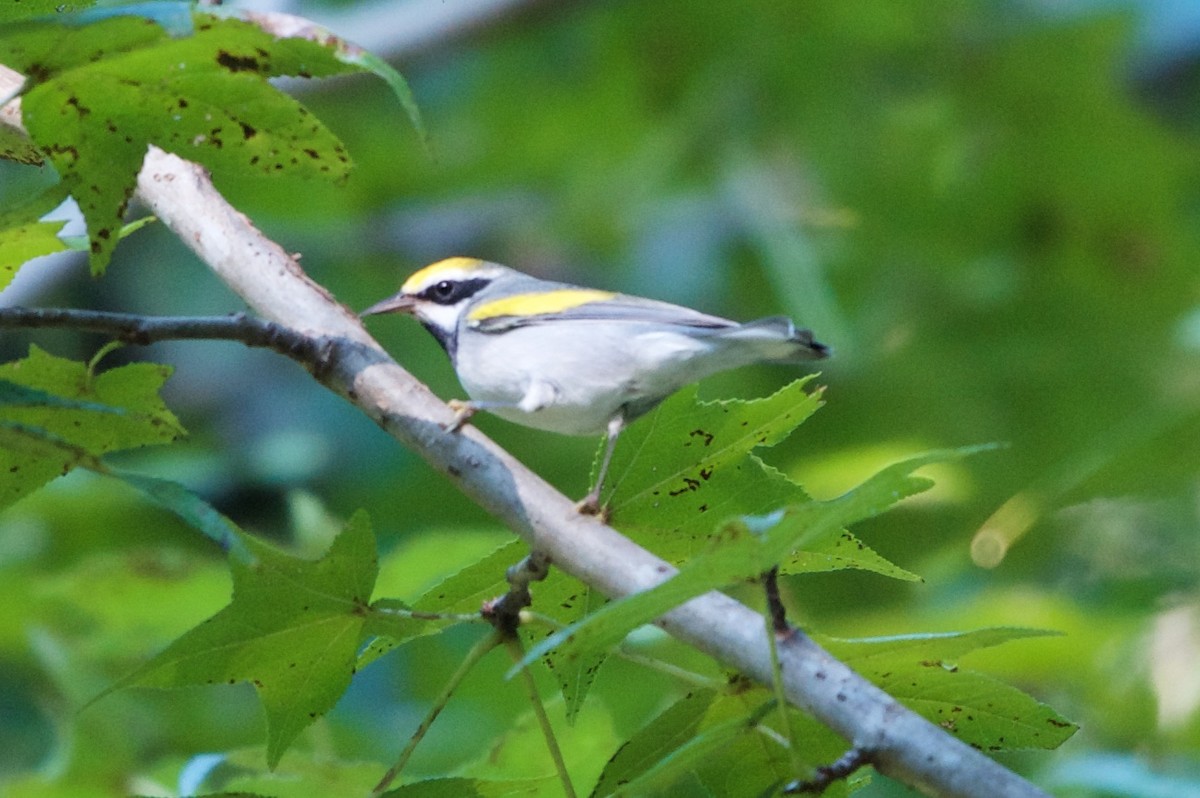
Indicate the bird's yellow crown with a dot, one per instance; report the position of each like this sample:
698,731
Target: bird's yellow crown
457,266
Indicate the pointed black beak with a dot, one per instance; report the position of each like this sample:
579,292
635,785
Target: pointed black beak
400,303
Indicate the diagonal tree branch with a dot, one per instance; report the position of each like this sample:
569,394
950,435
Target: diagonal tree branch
895,740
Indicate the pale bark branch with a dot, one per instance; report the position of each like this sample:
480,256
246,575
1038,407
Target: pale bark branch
897,742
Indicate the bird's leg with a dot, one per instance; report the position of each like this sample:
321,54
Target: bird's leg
462,413
591,502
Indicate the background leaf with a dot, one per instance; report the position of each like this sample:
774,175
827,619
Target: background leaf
103,92
78,415
292,630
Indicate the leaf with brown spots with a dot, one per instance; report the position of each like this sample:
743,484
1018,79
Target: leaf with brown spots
292,629
687,466
99,94
744,549
918,671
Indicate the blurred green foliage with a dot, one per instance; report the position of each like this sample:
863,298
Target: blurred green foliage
974,203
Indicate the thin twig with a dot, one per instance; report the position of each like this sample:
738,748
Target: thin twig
846,764
477,652
144,330
777,613
505,612
513,644
778,629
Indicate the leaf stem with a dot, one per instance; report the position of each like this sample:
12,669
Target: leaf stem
477,652
682,674
775,619
513,644
422,615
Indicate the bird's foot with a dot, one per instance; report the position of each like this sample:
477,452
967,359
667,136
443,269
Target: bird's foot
462,414
590,505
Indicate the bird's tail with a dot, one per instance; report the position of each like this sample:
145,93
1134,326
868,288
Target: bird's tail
780,341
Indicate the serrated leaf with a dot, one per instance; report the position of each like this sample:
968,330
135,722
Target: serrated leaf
312,776
684,468
670,729
845,551
565,599
90,415
559,597
978,709
716,740
103,92
23,243
16,395
390,624
743,550
703,450
292,629
935,645
467,589
919,671
461,592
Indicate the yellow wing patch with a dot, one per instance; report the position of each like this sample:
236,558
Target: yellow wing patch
458,264
538,304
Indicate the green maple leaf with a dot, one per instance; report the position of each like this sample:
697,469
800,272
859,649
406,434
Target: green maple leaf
690,465
292,629
99,94
744,548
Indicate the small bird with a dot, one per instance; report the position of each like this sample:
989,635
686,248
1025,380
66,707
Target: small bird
572,360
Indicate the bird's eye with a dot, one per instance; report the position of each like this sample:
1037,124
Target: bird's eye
443,290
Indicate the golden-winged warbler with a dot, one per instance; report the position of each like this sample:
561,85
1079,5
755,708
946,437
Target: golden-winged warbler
573,360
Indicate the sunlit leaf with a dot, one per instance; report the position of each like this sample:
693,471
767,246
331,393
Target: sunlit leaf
103,92
292,629
745,549
922,672
684,468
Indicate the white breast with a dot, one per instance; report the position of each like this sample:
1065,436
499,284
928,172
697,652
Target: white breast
593,368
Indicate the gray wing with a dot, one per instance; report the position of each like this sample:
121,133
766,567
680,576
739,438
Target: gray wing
619,308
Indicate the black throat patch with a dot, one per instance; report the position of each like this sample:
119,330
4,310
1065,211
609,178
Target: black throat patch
447,338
